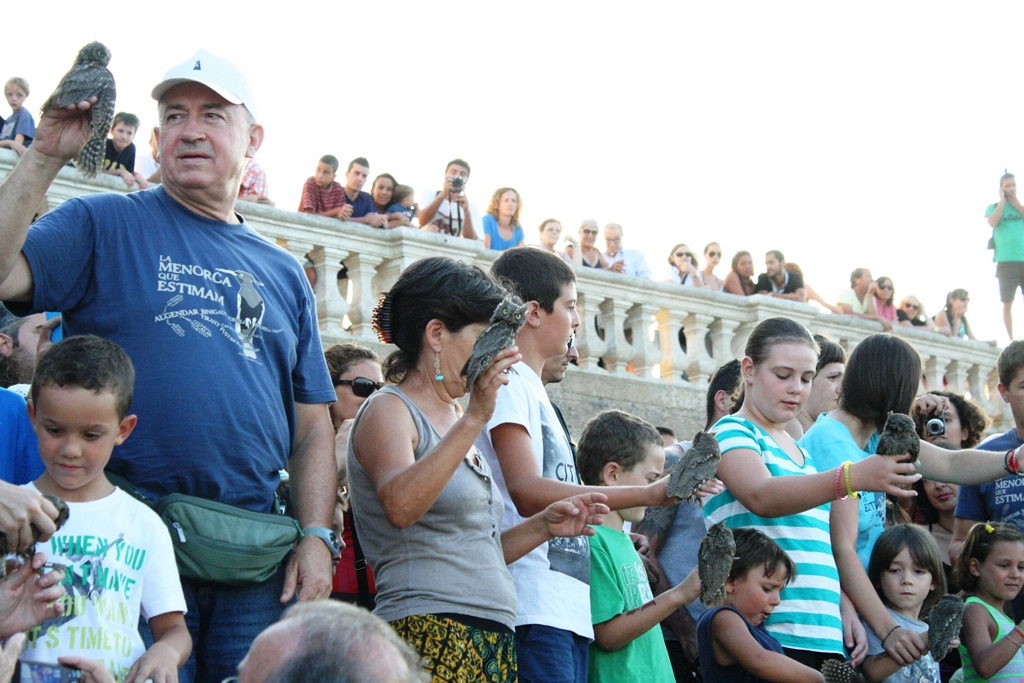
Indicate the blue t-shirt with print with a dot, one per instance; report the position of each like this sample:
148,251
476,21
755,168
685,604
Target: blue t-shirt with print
219,322
1001,500
20,123
830,444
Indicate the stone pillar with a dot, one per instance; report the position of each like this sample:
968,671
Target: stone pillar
701,366
362,268
645,352
331,304
618,353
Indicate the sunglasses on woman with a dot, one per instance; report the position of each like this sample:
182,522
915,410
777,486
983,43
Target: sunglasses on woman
362,387
681,254
713,254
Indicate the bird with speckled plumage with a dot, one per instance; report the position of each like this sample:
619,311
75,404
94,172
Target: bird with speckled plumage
506,321
88,78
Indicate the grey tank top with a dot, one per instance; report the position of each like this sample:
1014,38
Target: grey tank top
450,561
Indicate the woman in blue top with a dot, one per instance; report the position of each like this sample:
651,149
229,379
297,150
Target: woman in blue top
882,376
501,223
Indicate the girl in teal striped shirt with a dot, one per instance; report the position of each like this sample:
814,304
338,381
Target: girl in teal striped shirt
772,484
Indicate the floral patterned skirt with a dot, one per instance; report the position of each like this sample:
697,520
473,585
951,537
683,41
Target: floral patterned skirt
456,652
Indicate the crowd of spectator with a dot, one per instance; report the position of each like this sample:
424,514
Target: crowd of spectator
491,545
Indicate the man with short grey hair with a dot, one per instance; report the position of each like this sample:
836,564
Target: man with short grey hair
330,642
231,383
626,261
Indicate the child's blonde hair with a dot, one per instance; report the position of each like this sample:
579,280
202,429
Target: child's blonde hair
924,551
18,81
981,539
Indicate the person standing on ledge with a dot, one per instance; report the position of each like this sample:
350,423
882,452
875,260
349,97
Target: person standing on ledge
1006,218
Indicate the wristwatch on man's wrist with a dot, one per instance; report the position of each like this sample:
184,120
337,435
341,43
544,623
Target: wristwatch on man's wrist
328,537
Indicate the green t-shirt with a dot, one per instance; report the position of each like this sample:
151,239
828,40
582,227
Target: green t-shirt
1008,234
618,583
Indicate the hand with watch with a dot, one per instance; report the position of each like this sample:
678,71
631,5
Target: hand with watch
330,539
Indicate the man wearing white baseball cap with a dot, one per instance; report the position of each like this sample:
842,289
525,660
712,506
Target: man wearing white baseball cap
221,327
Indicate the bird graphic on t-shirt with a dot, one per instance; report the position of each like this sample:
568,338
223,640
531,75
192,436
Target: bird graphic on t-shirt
251,308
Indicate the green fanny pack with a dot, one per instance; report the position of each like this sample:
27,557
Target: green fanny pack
218,542
226,544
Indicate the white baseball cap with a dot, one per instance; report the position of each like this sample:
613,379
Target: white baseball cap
216,73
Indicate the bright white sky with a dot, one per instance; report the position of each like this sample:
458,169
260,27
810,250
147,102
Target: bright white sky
865,134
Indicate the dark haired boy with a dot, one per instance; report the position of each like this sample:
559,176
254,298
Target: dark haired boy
1001,500
117,553
119,158
734,645
530,455
363,209
322,195
618,449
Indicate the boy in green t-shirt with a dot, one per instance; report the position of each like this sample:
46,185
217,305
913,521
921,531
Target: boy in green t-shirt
618,449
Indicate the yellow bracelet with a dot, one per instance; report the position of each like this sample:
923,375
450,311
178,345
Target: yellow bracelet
849,489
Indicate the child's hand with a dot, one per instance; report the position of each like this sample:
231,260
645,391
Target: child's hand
689,588
127,177
710,488
92,671
159,663
143,183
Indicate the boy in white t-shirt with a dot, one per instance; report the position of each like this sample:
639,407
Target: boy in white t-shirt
533,466
117,553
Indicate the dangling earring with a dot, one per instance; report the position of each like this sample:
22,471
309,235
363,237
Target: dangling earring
437,367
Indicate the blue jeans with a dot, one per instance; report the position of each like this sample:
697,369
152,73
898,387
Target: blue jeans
223,622
551,655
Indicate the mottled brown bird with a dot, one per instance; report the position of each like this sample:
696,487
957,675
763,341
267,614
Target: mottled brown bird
944,621
836,671
506,321
898,437
714,562
89,77
697,465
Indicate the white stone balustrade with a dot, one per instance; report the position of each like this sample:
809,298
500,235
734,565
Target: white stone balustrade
632,325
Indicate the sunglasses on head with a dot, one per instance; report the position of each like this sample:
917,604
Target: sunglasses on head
681,254
362,387
713,254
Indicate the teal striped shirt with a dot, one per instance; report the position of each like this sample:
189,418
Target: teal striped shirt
808,616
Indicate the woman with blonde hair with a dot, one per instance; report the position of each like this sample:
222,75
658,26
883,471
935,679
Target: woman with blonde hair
502,229
911,313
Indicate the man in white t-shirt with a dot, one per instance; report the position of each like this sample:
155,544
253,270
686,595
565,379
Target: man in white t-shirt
449,211
530,456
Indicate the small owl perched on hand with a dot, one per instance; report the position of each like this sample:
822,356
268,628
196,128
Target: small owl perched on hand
898,437
89,77
506,321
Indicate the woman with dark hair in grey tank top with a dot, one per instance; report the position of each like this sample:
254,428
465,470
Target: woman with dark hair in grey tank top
427,510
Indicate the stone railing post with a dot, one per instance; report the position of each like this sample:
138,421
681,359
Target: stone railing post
590,346
934,371
645,351
701,365
618,352
331,304
362,268
723,331
673,358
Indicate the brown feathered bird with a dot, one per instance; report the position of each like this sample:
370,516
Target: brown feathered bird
89,77
898,437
